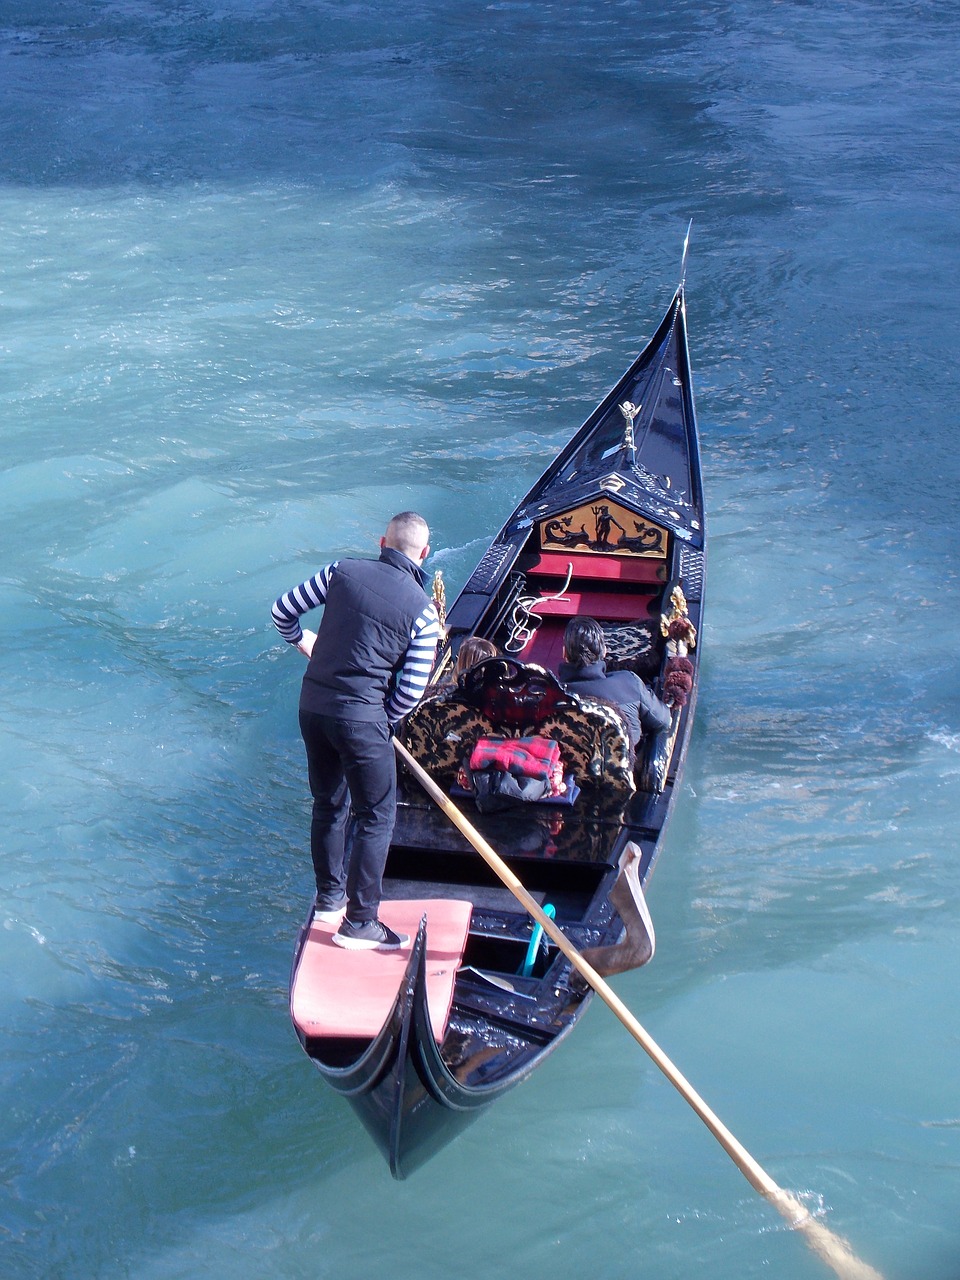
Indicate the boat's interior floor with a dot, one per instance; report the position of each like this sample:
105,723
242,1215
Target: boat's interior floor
565,855
484,897
589,831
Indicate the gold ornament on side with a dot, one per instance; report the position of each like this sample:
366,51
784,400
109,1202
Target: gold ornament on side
681,636
440,598
676,627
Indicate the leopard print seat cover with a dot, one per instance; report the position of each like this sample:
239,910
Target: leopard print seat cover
442,731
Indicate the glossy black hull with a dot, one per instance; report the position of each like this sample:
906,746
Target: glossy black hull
400,1087
412,1094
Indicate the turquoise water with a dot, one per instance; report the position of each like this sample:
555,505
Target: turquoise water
270,272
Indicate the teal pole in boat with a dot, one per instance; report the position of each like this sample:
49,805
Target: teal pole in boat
548,910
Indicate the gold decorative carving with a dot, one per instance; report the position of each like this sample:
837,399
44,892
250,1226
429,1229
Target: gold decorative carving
604,527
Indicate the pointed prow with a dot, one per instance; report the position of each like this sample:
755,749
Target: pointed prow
683,260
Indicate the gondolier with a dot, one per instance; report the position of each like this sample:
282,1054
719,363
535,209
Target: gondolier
369,663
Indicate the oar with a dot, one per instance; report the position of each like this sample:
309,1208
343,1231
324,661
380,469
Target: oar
832,1250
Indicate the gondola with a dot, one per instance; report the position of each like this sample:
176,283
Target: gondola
421,1041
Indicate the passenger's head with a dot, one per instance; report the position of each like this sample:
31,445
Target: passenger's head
472,651
408,533
583,641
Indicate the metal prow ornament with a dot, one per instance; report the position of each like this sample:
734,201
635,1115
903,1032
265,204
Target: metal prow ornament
629,412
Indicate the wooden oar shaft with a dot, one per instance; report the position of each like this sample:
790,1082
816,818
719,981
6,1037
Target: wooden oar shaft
753,1171
831,1249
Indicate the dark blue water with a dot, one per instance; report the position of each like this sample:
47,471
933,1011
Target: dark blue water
271,272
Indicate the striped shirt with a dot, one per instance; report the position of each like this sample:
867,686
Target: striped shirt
309,595
413,676
418,663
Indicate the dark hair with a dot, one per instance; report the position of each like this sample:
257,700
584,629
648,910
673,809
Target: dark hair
472,651
583,641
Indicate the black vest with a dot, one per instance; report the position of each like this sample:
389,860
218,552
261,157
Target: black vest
363,636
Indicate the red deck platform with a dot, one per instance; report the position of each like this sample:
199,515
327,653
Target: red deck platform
350,993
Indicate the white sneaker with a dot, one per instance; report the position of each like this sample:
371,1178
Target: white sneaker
373,935
329,915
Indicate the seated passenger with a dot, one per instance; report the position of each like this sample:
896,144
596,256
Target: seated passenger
584,671
472,651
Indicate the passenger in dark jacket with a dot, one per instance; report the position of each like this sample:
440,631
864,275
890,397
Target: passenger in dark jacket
584,671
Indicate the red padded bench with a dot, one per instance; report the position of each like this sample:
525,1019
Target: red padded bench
600,568
602,605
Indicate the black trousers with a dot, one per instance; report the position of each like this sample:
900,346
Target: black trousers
352,770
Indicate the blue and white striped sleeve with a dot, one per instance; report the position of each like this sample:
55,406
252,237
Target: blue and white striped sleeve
417,664
308,595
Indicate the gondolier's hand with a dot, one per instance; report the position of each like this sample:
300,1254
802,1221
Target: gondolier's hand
306,643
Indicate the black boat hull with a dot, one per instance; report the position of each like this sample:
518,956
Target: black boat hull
413,1093
400,1087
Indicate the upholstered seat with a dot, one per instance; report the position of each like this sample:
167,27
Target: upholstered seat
594,743
513,699
441,732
